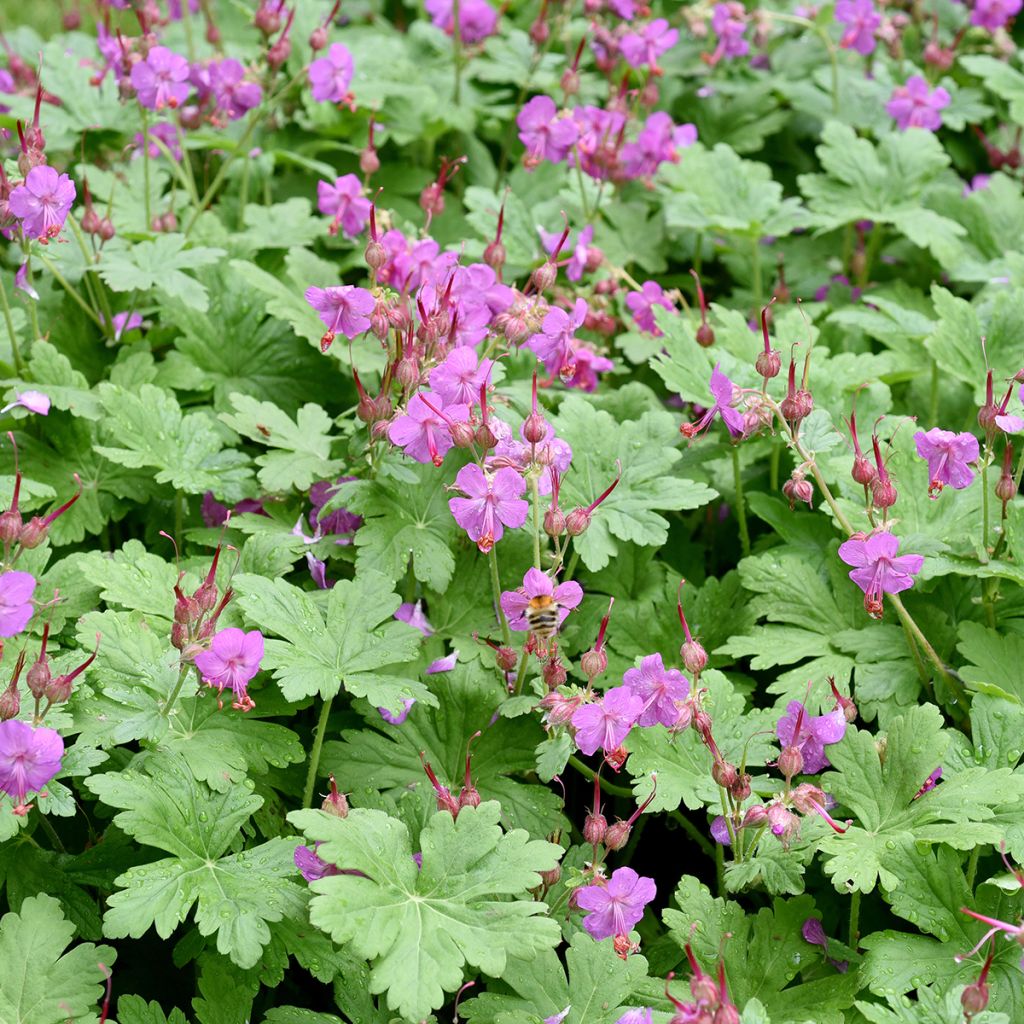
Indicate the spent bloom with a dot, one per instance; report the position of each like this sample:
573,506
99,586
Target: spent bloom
345,202
877,569
233,659
647,45
914,105
311,866
861,20
948,455
413,615
343,308
641,304
42,202
29,758
994,14
34,401
539,590
330,75
492,503
659,688
545,135
424,432
810,733
615,907
606,723
477,18
722,389
15,601
161,80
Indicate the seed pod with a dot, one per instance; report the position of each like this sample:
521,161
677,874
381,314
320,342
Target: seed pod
595,828
577,522
791,762
617,835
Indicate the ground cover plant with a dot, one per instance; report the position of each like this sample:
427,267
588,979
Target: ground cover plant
511,515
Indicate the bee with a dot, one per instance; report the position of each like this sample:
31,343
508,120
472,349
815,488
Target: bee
542,616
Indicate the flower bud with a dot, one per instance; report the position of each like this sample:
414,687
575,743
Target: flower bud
539,32
807,797
91,222
593,663
694,657
974,999
318,38
883,494
469,796
1006,489
702,722
369,161
559,708
554,522
544,276
755,817
495,256
375,255
554,673
551,877
769,363
179,635
107,230
724,773
595,828
33,533
279,52
534,429
726,1014
335,802
38,678
463,434
740,789
505,658
617,835
267,19
570,81
863,471
798,488
577,521
10,702
783,822
704,989
407,372
10,526
791,762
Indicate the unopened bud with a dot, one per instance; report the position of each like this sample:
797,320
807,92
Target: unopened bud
318,38
551,877
702,722
534,430
554,522
179,635
617,835
495,256
485,437
570,82
1006,489
755,817
33,533
694,657
769,363
726,1014
279,52
705,335
577,521
704,990
375,255
883,494
505,658
740,789
107,231
10,703
407,372
10,526
724,773
798,488
539,32
595,828
554,673
91,222
463,434
593,662
469,796
974,999
863,471
798,407
544,276
791,762
335,802
369,161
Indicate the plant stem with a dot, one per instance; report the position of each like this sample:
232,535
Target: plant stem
854,918
755,267
457,43
984,512
933,403
222,173
496,589
521,673
19,366
907,619
51,832
166,709
179,516
609,787
922,671
693,832
720,870
314,754
741,509
73,292
773,468
534,494
571,568
145,169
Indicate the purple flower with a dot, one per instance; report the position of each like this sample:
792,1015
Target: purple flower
558,1017
477,19
719,830
123,323
331,75
234,96
877,569
947,455
342,307
233,659
815,731
553,346
29,758
659,688
978,183
310,865
318,571
460,377
930,783
412,615
646,46
723,390
161,80
914,105
345,202
340,521
492,504
536,584
861,21
34,401
729,22
445,664
658,142
15,601
580,258
606,722
641,1015
22,283
545,135
586,365
423,432
397,719
615,907
641,304
167,133
42,202
994,14
813,933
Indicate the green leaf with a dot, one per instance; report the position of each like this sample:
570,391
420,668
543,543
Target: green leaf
160,264
148,429
995,662
360,646
132,578
40,983
135,1010
418,928
53,374
301,447
648,485
930,1007
287,225
281,301
1006,82
595,985
387,757
403,520
234,896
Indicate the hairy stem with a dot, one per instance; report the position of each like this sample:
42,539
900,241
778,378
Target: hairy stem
314,754
854,918
182,673
609,787
741,508
496,591
19,366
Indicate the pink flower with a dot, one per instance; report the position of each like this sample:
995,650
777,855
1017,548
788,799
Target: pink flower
397,719
123,322
343,308
412,615
167,133
641,1015
722,389
233,659
729,22
34,401
445,664
947,455
550,452
586,365
545,135
311,866
330,76
345,202
658,142
422,432
161,80
42,202
15,601
861,21
659,688
994,14
645,47
641,304
877,569
493,503
914,105
477,19
29,758
814,732
460,377
22,283
233,94
607,722
615,907
553,346
539,585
